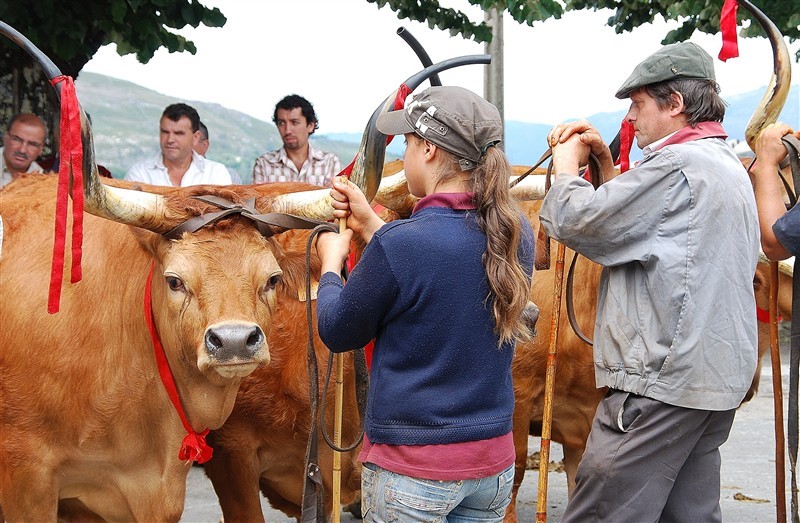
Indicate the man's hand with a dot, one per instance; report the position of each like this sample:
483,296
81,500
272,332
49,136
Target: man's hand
769,148
573,142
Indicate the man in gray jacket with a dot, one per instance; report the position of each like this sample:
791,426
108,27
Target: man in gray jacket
675,333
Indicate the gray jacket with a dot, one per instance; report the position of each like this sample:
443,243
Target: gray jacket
679,240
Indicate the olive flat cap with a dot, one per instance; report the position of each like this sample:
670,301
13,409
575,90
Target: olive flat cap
681,60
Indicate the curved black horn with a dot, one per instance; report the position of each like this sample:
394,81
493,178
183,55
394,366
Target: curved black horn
774,98
368,169
419,51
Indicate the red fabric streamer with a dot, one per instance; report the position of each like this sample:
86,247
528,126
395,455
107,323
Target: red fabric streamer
762,315
626,133
727,26
194,446
399,102
71,161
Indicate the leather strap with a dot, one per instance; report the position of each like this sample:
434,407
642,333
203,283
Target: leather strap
267,224
573,321
313,504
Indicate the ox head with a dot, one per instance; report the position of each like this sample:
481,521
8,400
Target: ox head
215,290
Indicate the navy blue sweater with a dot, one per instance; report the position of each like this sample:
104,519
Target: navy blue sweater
420,288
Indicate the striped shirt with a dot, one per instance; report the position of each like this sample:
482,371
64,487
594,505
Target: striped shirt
276,166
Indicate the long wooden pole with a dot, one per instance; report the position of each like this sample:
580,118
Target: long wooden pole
549,387
338,360
777,394
337,439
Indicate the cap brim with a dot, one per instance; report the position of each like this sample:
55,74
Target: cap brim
394,122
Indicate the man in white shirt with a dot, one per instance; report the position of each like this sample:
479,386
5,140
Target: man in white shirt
22,144
177,164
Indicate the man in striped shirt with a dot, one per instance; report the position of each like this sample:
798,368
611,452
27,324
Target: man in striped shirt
298,160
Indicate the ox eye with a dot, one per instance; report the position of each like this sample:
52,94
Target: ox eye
274,280
175,284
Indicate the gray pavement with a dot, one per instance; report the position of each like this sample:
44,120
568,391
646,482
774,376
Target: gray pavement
748,471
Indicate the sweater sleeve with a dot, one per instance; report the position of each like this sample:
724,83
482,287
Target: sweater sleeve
787,230
350,315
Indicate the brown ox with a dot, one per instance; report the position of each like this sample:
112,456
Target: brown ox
262,445
87,427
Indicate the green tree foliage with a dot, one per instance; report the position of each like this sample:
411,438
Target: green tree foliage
70,33
700,15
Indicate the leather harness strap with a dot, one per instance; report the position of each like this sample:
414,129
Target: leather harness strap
542,251
267,224
313,503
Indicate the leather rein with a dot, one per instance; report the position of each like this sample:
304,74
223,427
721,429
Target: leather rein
542,254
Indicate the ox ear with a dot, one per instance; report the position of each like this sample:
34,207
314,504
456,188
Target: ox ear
289,250
155,244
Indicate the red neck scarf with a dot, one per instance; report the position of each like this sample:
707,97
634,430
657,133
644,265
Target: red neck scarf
698,132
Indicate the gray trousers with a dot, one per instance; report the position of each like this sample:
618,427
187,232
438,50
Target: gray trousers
646,461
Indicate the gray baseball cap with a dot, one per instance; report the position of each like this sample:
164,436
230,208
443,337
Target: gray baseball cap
681,60
455,119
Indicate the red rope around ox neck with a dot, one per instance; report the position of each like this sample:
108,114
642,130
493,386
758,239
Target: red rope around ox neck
194,446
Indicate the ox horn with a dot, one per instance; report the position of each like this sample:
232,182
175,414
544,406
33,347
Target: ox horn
774,98
368,167
392,194
121,205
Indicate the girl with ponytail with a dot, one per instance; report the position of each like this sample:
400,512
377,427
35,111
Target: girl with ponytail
443,294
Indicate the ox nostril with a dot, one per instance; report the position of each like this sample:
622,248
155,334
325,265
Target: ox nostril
234,341
255,337
213,343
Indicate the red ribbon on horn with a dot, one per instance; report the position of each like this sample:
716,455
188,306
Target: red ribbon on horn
399,100
71,161
727,25
626,133
194,446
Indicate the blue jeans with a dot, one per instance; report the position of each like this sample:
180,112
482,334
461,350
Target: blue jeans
388,497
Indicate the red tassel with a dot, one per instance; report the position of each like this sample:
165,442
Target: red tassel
71,161
727,26
195,448
626,133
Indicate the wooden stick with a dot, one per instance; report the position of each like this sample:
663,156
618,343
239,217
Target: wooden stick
337,419
777,394
549,387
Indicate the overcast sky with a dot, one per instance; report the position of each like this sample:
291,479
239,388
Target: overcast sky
345,57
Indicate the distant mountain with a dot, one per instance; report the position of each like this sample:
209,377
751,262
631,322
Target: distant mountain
125,123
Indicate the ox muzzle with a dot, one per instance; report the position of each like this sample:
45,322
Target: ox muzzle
235,344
